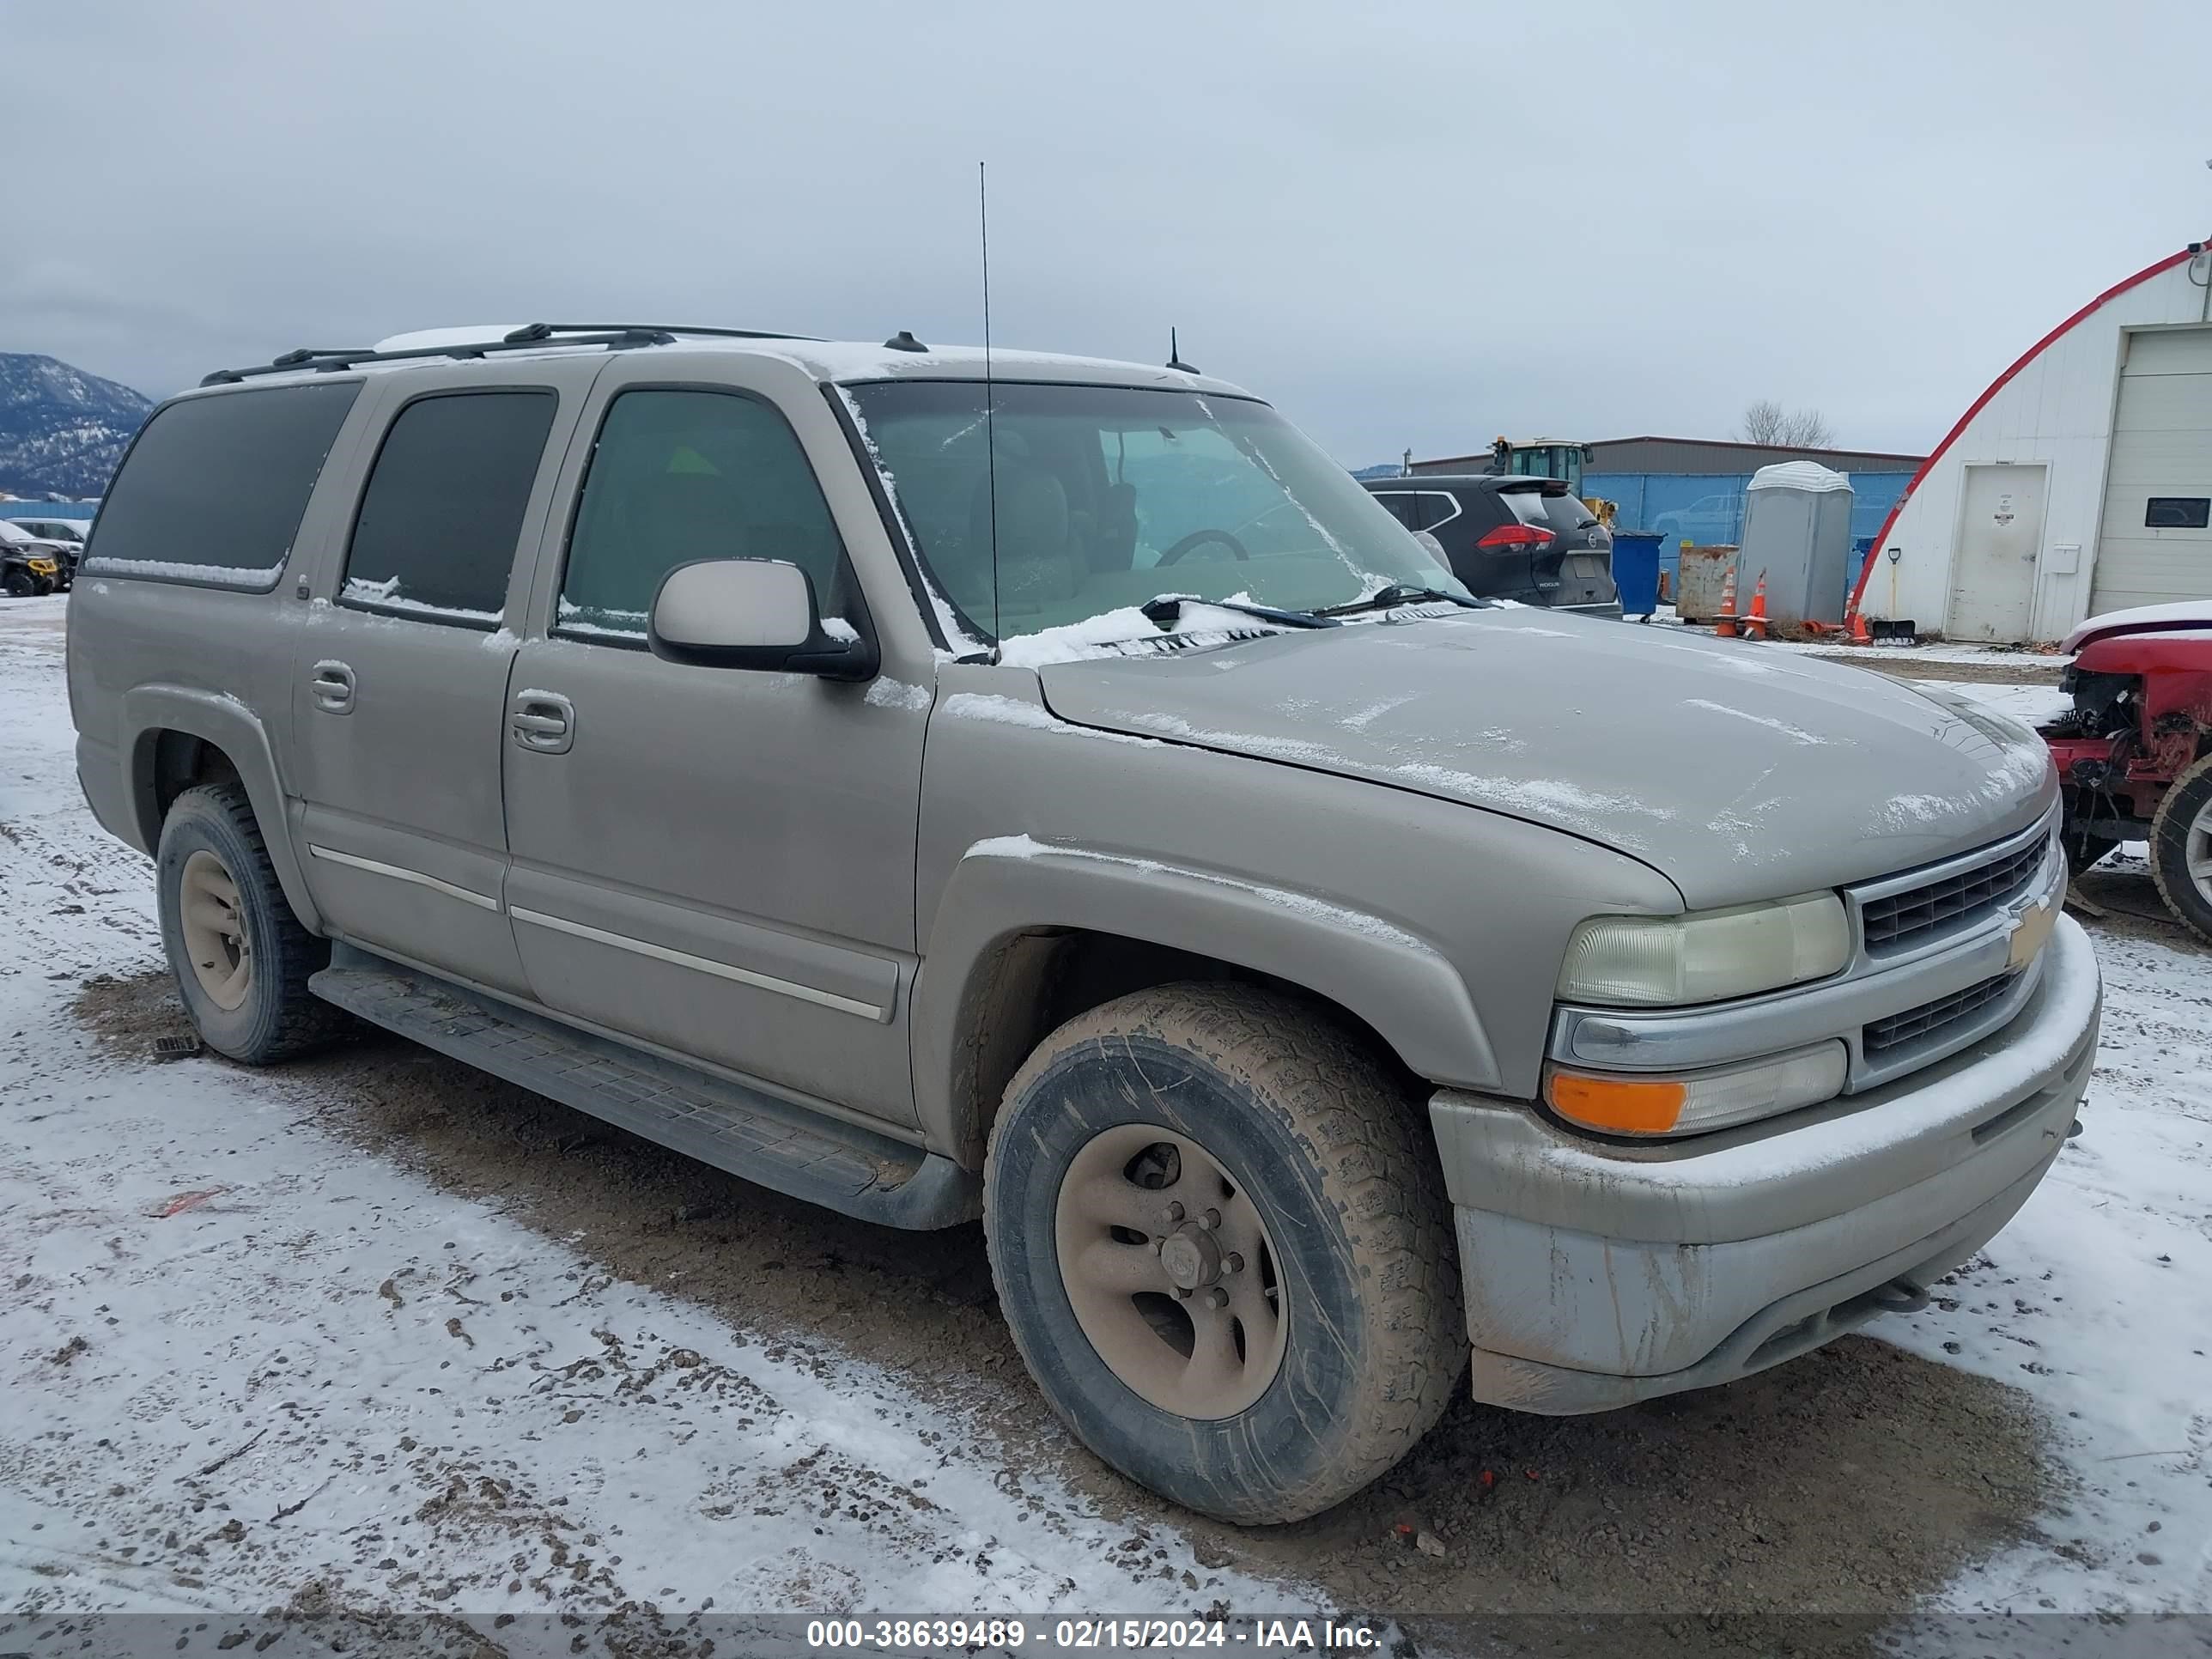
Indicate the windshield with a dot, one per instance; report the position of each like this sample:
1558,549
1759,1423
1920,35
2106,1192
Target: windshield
1107,497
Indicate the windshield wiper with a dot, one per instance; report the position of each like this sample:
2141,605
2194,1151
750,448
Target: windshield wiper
1395,595
1166,609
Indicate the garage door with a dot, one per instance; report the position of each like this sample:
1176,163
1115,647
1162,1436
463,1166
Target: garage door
2156,543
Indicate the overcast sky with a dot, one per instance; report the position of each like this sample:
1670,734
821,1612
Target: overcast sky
1411,224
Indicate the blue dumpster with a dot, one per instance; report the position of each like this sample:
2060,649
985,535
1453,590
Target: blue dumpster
1636,571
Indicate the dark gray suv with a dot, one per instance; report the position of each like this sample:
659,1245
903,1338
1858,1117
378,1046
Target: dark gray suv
1509,537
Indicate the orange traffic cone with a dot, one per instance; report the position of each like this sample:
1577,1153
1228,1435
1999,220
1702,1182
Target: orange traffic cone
1754,625
1724,624
1860,635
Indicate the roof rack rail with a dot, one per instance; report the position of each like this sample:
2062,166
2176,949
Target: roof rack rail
613,335
543,330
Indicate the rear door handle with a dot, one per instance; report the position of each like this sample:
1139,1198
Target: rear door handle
333,685
545,721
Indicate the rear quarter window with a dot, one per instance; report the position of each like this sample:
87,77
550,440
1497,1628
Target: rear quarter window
1424,509
214,488
1400,505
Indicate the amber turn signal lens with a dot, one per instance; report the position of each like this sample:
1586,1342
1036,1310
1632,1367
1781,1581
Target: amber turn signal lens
1620,1106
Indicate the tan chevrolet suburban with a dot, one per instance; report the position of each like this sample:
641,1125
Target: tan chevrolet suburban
1051,791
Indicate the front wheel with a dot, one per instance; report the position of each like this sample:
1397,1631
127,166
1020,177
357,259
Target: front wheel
1220,1238
18,584
2181,847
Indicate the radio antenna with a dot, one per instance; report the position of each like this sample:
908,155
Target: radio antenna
990,424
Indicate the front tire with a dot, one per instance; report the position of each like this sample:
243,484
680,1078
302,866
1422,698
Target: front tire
1220,1236
2181,848
18,584
241,957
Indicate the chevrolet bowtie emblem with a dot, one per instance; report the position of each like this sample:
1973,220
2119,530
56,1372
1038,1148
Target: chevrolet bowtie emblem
2029,933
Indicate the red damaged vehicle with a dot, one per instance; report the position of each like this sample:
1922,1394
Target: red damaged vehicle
2135,752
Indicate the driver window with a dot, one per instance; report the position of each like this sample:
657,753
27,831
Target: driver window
678,475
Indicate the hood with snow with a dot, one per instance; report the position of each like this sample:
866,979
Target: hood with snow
1739,773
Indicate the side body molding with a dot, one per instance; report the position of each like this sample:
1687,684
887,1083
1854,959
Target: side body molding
1011,886
231,726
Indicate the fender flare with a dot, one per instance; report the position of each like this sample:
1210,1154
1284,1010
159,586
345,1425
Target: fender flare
231,726
1002,891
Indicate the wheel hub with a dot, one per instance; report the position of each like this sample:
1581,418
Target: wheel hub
210,917
1169,1271
2197,853
1192,1259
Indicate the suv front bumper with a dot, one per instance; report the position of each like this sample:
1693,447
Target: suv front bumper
1599,1274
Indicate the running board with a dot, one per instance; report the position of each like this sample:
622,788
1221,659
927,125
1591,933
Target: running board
747,1132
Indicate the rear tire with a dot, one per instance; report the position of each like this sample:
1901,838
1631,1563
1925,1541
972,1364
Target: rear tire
2181,848
18,584
241,957
1313,1231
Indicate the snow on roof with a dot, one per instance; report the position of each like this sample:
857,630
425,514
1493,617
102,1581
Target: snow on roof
2182,613
463,334
1798,474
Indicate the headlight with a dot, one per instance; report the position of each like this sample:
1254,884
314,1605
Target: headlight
1690,1102
1706,955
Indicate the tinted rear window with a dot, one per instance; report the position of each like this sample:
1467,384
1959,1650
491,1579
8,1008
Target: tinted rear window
1399,504
1560,512
442,514
1419,509
215,487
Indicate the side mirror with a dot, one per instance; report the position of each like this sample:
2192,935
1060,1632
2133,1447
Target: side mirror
753,613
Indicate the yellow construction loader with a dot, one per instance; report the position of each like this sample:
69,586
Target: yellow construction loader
1551,457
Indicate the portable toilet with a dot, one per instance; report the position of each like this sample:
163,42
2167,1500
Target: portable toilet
1798,529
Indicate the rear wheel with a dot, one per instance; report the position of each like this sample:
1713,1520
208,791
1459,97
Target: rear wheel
241,957
18,583
2181,847
1220,1238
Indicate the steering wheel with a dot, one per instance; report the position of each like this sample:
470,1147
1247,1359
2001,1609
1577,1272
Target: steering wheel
1199,538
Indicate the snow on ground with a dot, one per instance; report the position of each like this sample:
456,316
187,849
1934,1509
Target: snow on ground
259,1356
1933,651
2096,1301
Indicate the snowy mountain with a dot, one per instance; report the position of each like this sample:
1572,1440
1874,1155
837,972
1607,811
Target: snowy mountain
61,430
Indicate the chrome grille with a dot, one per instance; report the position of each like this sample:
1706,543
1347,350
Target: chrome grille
1902,920
1930,1017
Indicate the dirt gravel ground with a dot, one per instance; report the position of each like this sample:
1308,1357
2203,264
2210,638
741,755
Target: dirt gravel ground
2002,671
1850,1482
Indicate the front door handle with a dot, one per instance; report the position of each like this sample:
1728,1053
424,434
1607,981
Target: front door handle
545,721
333,686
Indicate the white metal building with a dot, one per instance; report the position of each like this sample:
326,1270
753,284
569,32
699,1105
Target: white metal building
2081,482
